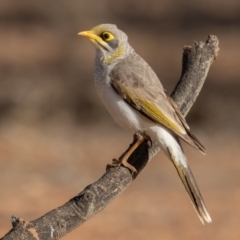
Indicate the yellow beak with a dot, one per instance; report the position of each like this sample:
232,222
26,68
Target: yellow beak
90,35
94,38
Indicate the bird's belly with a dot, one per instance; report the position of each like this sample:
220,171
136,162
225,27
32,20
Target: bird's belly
126,116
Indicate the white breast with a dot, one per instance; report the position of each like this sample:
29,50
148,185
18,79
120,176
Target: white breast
120,111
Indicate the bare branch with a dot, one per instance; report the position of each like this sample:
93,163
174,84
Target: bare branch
196,62
95,197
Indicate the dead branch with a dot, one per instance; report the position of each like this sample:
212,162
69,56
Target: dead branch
95,197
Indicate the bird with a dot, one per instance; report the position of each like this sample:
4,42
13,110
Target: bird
135,98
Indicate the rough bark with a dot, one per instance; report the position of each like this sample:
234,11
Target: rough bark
95,197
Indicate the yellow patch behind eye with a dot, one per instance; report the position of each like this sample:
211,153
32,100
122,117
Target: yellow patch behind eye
107,36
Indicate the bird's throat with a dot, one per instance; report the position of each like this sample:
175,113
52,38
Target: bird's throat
115,55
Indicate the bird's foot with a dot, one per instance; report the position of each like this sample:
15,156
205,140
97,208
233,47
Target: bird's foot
119,162
115,163
123,160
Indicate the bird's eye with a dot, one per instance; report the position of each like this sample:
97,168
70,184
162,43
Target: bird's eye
107,36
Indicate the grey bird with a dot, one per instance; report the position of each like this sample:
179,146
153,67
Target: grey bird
136,100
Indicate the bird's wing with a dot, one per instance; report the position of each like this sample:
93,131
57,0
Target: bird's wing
135,81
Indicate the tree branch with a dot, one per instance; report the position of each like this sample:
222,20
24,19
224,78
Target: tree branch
95,197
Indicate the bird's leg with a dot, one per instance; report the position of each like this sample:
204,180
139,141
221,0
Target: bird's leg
138,139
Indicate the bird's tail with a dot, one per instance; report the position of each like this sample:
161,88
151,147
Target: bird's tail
180,162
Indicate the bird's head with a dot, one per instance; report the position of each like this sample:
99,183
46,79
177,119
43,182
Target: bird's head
111,42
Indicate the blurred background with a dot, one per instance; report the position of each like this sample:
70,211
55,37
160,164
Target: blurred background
56,137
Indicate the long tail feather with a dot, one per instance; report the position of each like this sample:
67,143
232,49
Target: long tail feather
191,187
